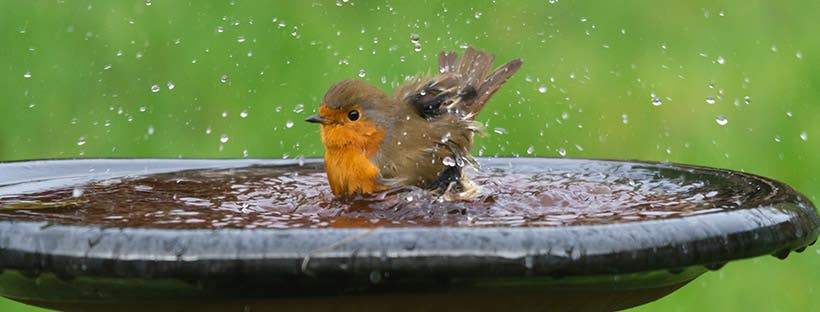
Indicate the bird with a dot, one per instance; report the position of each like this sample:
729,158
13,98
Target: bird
421,135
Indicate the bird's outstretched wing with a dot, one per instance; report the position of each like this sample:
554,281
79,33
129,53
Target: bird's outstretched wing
462,86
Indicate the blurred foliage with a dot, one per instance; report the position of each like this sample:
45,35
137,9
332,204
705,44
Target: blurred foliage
78,80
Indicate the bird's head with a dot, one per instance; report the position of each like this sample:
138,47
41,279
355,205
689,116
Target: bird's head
352,116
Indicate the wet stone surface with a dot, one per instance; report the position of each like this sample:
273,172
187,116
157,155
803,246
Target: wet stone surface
299,197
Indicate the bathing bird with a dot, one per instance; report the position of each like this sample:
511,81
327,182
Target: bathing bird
420,136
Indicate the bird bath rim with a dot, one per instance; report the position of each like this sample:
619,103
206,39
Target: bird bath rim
631,255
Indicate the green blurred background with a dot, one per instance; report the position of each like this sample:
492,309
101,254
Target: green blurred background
177,78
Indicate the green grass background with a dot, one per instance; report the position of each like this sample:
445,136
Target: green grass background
76,80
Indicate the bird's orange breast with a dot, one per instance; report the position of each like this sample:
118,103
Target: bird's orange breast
349,171
348,150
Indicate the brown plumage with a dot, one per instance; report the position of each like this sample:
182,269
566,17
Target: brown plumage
421,135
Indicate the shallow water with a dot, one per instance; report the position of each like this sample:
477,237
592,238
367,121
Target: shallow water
299,197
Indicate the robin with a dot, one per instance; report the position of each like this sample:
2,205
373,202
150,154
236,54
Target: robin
419,136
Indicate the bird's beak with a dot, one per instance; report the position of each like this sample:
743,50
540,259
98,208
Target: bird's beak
317,119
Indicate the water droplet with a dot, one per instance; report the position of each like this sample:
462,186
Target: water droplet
243,113
710,100
171,85
107,67
299,108
224,138
155,88
240,39
804,136
27,75
81,141
747,99
721,120
414,38
219,29
223,78
657,101
530,150
208,130
777,138
625,118
542,89
362,73
77,192
500,130
789,114
562,151
224,114
147,2
289,124
245,153
448,161
798,55
375,276
477,15
150,130
409,198
721,60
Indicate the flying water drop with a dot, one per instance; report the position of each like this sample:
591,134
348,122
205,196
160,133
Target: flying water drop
721,120
710,100
155,88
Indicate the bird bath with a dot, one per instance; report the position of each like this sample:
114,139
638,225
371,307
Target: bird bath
544,234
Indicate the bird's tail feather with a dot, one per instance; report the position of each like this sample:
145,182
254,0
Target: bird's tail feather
473,82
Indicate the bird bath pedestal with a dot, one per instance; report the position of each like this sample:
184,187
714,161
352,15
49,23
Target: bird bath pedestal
56,254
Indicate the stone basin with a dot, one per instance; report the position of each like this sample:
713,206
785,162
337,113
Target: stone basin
570,238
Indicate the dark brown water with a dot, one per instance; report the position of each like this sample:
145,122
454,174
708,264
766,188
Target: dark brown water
299,197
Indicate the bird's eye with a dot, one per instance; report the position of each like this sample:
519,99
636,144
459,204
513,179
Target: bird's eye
353,115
